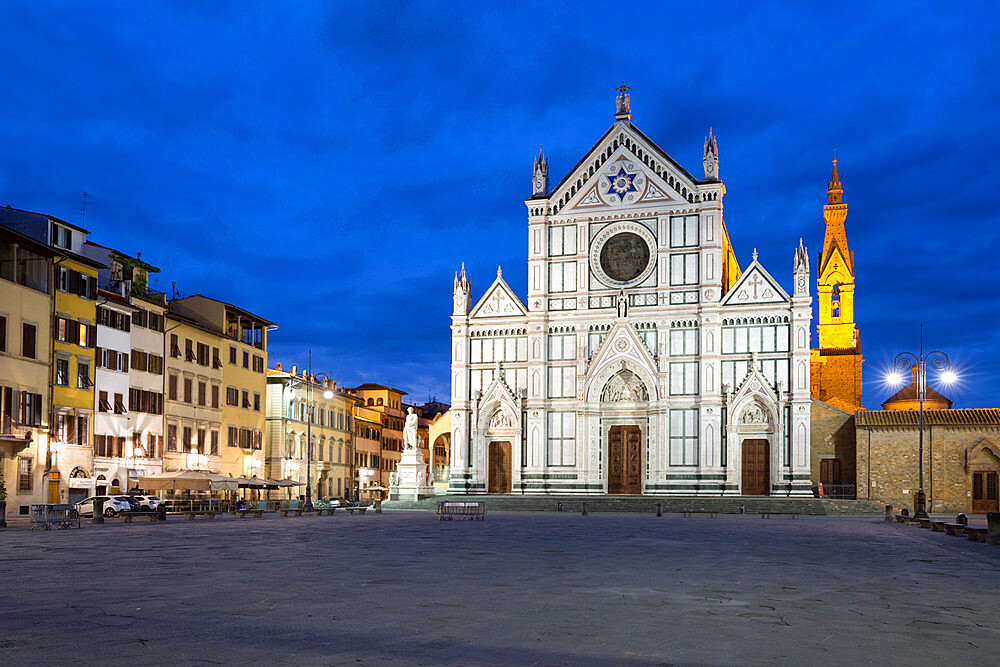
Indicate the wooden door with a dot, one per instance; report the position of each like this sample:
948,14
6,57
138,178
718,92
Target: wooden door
756,468
984,492
500,479
625,460
53,491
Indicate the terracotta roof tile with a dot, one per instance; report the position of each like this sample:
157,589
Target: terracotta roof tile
956,417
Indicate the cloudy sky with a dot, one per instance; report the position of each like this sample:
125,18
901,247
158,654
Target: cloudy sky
329,165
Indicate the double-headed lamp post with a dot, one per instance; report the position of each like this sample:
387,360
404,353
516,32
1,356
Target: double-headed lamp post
310,413
905,361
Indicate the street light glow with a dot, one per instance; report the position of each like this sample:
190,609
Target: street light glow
949,377
895,378
328,394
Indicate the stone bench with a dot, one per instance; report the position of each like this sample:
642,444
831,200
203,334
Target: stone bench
350,510
257,514
938,526
127,517
925,523
976,534
191,514
295,511
955,529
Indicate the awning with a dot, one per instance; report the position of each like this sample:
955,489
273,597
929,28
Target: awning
284,483
190,480
254,483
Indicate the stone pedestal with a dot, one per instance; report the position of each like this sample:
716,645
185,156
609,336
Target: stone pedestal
411,478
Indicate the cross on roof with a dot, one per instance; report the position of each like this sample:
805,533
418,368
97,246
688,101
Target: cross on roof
622,88
755,282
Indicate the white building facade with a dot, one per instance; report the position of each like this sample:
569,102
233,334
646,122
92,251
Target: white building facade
112,441
645,361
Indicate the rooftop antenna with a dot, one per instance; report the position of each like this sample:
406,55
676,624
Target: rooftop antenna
83,210
175,292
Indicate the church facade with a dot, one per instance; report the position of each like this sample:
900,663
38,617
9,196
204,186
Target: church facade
645,359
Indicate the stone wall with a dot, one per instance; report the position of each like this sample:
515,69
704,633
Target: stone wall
888,462
832,436
835,378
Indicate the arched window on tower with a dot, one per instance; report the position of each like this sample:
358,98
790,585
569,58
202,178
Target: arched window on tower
835,301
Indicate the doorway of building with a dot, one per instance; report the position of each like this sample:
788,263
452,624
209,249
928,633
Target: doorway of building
625,460
984,492
756,470
500,479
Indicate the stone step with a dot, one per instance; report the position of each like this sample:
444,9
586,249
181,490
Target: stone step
647,504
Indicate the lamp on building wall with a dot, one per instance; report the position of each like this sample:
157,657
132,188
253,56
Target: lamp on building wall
905,361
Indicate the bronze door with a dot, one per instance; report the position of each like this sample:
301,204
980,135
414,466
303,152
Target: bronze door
756,468
500,477
625,460
984,492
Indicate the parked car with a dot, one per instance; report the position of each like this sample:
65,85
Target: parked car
133,504
112,506
339,502
149,503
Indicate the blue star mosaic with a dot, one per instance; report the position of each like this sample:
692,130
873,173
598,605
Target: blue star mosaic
622,183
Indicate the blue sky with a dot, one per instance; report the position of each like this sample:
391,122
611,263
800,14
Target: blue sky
329,165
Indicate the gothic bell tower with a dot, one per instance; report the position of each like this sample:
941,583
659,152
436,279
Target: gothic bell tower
836,363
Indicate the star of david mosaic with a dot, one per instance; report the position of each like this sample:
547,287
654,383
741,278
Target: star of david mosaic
622,183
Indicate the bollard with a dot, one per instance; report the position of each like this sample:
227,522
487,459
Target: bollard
98,512
962,519
585,509
993,528
162,513
888,512
378,507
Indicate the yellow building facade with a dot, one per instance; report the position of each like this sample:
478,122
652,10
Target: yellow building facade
383,405
243,363
192,405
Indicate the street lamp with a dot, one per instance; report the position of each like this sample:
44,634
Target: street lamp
905,361
310,411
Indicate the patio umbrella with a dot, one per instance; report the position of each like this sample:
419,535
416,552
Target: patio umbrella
187,480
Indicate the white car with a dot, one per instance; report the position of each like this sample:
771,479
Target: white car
112,506
149,503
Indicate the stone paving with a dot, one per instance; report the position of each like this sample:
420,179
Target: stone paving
518,588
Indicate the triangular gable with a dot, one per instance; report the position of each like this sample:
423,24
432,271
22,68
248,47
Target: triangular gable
755,286
836,263
499,301
498,396
652,176
622,344
754,392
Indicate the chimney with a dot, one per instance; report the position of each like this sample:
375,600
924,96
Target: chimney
295,371
277,366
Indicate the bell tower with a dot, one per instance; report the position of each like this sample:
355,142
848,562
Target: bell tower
836,363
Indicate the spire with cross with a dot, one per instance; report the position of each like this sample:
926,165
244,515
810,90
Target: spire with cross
622,108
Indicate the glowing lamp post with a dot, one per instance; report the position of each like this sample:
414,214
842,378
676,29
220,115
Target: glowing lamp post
310,408
905,361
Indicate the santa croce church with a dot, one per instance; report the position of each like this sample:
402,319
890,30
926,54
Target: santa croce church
645,360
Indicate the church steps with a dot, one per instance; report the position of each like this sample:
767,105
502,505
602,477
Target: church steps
647,504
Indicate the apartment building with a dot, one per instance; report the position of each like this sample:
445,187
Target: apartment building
291,422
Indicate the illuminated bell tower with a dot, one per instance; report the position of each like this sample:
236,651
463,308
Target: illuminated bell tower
836,364
835,282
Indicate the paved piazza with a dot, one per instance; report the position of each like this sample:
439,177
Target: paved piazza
529,588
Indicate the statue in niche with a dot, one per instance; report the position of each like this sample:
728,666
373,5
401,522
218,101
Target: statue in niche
622,304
